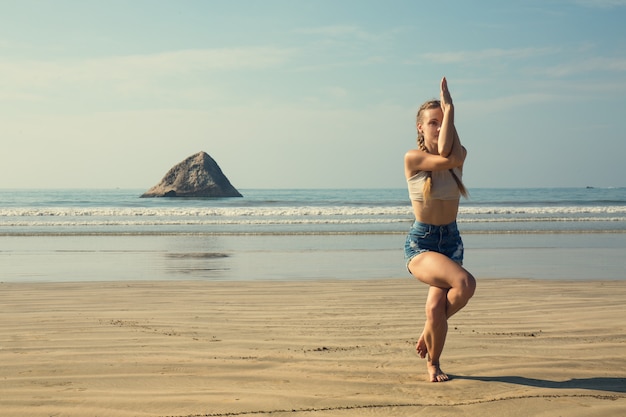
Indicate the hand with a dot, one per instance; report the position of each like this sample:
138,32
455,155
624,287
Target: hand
446,98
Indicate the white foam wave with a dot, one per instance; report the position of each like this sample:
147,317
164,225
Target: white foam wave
306,211
279,221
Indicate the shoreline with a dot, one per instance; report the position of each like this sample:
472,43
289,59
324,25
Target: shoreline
307,348
306,233
299,257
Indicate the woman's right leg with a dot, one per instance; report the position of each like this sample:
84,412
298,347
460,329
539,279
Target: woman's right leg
435,331
439,271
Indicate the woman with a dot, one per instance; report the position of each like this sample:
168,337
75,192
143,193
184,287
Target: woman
434,249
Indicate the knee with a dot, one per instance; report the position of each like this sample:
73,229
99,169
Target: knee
467,286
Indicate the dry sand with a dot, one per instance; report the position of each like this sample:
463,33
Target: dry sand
521,348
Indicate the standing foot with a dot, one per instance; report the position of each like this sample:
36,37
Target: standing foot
435,373
420,347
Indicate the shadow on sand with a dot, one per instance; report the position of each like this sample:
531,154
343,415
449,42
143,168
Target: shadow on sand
597,384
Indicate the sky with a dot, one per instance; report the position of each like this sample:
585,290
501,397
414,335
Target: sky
309,93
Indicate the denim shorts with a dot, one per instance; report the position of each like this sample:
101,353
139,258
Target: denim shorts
425,237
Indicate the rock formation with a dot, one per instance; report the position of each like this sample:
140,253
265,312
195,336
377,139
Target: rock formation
197,176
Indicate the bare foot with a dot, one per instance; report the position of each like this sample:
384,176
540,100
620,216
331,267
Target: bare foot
435,373
420,347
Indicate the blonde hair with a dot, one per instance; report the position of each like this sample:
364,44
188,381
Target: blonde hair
433,104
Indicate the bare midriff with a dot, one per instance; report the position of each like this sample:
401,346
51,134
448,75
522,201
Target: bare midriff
436,212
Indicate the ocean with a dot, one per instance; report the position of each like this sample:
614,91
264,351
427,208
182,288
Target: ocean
294,234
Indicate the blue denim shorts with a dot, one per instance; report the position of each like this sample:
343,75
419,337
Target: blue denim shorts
425,237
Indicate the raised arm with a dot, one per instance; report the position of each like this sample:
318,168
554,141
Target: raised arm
450,153
447,131
458,151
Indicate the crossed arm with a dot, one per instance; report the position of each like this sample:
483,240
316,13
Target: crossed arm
451,152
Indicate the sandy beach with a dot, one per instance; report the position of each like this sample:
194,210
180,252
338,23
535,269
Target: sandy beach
323,348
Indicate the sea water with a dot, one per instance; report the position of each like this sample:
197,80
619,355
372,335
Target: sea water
77,235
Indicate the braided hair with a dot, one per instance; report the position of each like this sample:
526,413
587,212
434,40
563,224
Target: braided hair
433,104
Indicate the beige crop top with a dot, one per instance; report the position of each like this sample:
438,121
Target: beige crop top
443,186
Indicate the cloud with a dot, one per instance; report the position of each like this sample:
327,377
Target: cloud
336,92
602,4
587,65
41,73
168,79
340,31
505,103
485,54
